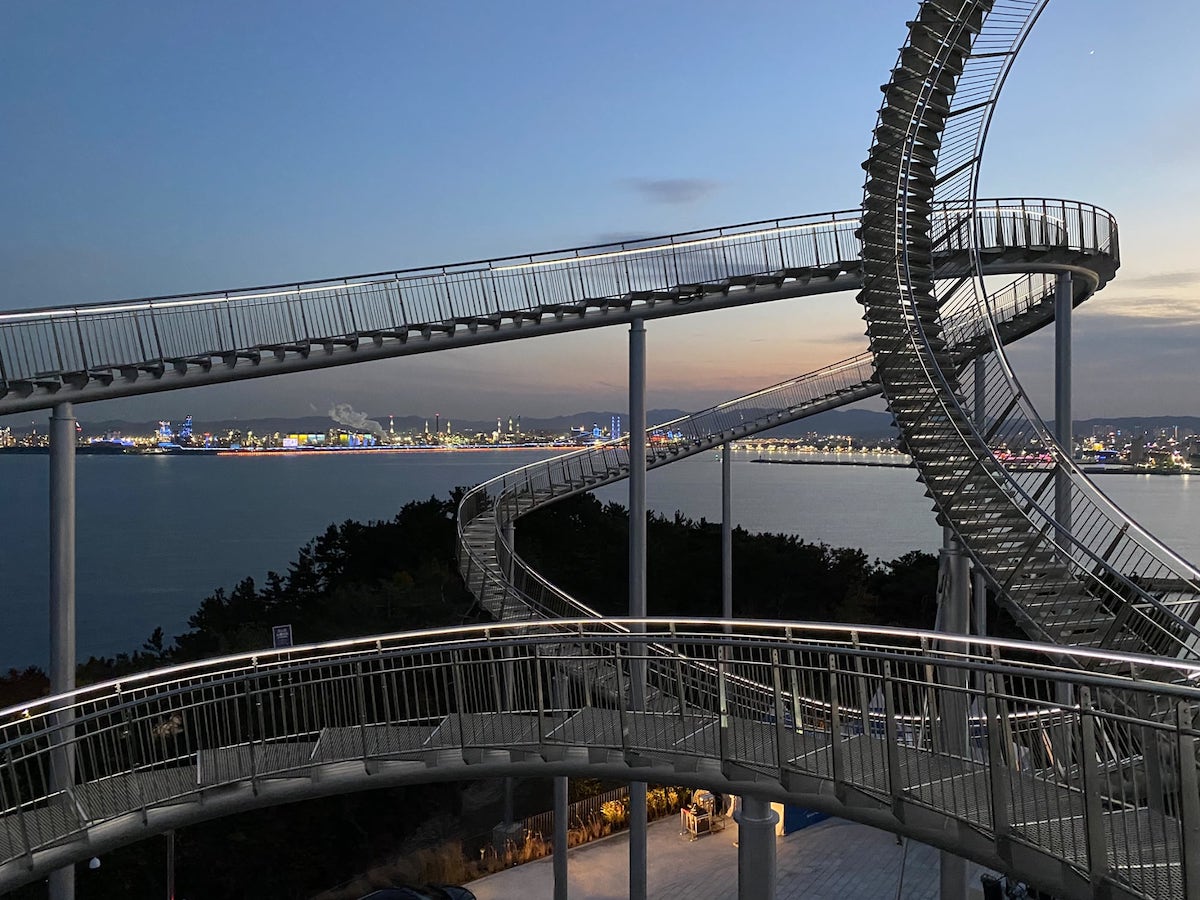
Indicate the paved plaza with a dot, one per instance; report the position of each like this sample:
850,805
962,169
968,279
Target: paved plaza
833,860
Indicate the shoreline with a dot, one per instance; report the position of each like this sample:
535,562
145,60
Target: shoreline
1087,470
85,450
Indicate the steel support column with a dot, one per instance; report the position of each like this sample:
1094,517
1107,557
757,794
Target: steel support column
62,607
978,579
756,849
171,865
510,538
637,587
726,532
560,838
1062,401
954,608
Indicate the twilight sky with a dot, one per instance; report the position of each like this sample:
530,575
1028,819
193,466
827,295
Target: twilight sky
156,148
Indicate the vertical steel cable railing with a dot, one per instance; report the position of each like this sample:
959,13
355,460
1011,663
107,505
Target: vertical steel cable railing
1107,583
854,721
98,340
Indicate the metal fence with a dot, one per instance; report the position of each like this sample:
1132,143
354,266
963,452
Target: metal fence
1092,777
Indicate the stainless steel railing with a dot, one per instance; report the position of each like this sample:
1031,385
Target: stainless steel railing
96,340
154,332
510,588
1089,576
1093,790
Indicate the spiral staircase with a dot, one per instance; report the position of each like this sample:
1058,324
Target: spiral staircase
1070,763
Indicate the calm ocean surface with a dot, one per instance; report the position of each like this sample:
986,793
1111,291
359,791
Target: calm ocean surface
156,534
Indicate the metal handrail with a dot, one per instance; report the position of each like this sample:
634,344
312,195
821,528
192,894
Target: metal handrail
862,708
1129,590
88,341
512,588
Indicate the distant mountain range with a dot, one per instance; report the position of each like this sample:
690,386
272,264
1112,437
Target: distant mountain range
858,423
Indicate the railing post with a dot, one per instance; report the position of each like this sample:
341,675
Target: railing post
835,727
361,701
722,706
892,750
793,683
780,725
250,717
864,698
1151,754
998,789
1093,789
541,695
1189,793
680,692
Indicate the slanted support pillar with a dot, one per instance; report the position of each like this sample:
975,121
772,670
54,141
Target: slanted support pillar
726,532
1062,401
756,849
637,588
62,608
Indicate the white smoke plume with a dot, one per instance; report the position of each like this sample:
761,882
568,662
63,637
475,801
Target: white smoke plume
345,414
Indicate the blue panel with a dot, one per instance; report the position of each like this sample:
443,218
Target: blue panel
797,817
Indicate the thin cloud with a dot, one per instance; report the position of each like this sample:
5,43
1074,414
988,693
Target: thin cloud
673,191
1156,309
1160,280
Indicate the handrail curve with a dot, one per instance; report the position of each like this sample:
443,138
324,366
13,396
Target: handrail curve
848,720
99,351
1068,563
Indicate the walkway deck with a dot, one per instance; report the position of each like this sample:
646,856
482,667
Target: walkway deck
834,860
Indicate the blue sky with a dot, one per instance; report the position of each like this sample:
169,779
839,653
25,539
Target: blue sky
167,147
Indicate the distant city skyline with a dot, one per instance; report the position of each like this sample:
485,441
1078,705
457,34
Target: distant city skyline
167,148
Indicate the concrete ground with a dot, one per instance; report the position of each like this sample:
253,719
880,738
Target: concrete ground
833,860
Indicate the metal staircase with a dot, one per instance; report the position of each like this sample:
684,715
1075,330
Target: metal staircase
508,589
1097,579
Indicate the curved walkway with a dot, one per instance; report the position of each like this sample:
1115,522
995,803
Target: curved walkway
913,732
104,350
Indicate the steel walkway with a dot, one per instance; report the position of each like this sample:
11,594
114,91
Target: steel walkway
1093,792
1072,567
100,351
854,722
508,589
